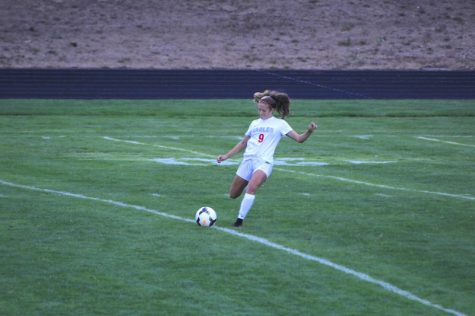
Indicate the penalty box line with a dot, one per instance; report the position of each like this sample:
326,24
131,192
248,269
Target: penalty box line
359,275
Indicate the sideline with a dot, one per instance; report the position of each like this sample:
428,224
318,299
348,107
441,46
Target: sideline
362,276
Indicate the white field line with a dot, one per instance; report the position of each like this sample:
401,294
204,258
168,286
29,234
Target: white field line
443,141
342,179
359,275
159,146
381,186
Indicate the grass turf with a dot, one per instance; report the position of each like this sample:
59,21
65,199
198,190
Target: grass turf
383,187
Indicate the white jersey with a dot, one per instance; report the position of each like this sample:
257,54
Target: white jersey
264,138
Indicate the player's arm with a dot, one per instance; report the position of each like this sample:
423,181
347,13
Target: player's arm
239,146
300,138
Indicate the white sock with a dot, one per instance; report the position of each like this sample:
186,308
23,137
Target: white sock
246,205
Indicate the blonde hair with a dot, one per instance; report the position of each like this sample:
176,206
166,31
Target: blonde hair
279,101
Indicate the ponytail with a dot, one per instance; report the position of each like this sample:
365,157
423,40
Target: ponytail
279,101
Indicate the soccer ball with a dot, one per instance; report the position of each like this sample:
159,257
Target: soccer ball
206,216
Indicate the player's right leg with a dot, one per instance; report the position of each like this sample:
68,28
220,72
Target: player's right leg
237,187
241,180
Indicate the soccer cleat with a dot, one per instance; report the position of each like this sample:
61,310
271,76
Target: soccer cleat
238,222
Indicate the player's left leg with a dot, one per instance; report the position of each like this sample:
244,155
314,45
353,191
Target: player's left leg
258,179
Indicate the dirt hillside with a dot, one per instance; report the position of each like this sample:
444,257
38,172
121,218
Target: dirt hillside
245,34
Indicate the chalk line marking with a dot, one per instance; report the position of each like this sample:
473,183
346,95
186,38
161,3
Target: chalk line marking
159,146
443,141
365,137
192,161
359,275
368,162
185,161
342,179
382,186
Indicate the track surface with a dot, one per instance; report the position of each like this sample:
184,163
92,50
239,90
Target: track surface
225,84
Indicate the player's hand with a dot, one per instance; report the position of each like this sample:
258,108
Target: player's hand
221,158
312,126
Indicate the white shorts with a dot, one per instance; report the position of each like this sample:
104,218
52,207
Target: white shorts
249,166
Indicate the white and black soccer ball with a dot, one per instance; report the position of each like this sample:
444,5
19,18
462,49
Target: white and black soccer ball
206,216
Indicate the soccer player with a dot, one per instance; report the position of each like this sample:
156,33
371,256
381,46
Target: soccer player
260,142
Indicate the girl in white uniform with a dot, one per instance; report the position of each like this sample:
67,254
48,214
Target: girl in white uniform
260,142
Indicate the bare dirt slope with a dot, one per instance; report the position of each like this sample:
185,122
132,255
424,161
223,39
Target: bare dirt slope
245,34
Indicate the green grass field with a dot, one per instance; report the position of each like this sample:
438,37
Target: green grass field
384,189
